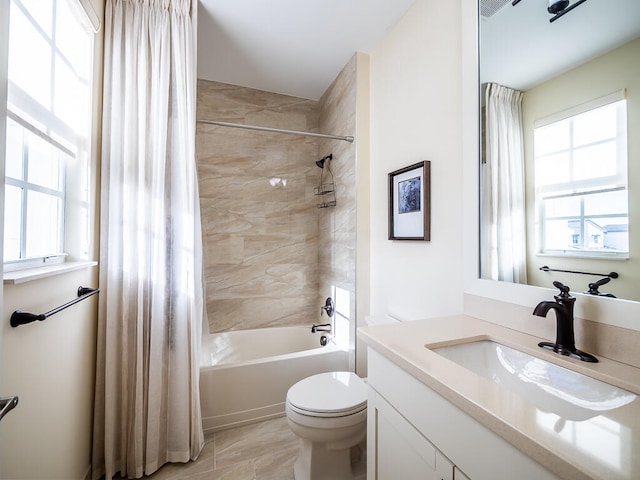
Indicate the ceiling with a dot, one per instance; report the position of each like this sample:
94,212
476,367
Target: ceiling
520,48
297,47
293,47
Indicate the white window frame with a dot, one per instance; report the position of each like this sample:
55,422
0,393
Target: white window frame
32,116
581,188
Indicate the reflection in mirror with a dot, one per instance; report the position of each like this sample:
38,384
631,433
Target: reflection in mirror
560,163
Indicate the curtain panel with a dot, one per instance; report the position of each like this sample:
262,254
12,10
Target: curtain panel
503,243
151,310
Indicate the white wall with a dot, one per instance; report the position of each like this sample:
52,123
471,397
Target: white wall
416,115
50,365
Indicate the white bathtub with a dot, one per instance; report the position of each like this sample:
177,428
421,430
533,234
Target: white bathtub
245,375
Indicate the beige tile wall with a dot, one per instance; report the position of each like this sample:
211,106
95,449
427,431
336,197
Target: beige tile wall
260,222
337,230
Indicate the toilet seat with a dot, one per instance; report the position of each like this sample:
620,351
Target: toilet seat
328,395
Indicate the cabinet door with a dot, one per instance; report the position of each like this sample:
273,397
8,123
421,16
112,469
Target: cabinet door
444,467
402,452
459,475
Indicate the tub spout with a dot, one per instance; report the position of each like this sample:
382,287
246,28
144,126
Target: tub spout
323,327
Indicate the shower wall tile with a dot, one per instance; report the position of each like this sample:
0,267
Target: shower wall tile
228,312
337,231
279,311
272,257
222,249
260,224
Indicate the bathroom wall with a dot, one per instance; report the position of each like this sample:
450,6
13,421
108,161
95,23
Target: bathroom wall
337,225
50,365
260,222
416,115
271,256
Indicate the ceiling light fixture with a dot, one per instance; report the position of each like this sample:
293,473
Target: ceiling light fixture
557,8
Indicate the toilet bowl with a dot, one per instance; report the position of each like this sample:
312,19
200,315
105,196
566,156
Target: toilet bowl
328,412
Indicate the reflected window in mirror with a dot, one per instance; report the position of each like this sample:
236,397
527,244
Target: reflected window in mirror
581,180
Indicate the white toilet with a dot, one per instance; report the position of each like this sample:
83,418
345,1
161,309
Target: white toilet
328,412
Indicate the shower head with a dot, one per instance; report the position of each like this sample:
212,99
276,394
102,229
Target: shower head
320,163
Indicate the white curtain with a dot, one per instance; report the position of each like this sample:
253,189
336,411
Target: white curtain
503,250
151,312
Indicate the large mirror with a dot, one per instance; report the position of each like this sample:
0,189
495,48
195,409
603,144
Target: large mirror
560,184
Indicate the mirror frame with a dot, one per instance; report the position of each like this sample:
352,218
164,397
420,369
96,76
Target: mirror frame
615,312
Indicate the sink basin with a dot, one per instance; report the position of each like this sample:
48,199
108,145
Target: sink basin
548,386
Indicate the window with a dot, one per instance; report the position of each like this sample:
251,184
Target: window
581,180
48,102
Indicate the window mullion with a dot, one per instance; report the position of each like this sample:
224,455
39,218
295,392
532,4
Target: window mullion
53,56
583,227
25,196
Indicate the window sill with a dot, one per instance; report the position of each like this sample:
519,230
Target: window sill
584,255
29,274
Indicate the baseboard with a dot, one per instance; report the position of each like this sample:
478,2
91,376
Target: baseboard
237,419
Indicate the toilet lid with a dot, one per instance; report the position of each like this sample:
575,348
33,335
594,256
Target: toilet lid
327,394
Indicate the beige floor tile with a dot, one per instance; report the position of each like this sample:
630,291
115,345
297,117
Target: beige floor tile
277,465
260,451
180,471
253,441
240,471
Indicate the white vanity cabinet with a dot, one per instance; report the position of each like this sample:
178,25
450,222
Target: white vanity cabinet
401,450
414,433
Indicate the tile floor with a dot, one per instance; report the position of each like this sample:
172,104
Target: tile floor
260,451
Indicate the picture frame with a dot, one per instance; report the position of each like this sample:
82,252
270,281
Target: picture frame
410,202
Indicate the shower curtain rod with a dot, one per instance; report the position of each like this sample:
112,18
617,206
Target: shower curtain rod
348,138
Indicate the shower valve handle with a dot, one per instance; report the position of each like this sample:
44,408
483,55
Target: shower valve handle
328,307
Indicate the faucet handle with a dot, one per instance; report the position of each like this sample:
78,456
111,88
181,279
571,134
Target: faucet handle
328,307
564,290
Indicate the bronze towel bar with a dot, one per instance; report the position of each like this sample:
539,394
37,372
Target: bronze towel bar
21,318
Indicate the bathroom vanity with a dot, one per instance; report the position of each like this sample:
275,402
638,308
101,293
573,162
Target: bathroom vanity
429,413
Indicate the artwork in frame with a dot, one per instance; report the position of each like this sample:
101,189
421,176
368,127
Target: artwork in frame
410,202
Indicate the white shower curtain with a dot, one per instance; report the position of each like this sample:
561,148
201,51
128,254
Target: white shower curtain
503,250
147,406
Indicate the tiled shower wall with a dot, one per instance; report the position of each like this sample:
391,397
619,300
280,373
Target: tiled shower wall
265,242
259,220
337,233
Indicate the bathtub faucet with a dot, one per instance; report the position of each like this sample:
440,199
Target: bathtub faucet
328,307
323,327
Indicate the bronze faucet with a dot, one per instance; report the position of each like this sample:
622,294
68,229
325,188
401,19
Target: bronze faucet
565,339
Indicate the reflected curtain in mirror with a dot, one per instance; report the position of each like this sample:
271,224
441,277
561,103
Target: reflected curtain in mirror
502,243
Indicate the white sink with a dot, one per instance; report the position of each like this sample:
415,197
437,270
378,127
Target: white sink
551,388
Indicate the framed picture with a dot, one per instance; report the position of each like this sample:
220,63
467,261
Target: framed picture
410,202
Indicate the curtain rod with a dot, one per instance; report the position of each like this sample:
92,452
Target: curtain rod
276,130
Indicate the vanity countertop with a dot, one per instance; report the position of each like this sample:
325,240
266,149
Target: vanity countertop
607,445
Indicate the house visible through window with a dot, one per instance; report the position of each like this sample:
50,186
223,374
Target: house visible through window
48,103
581,181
